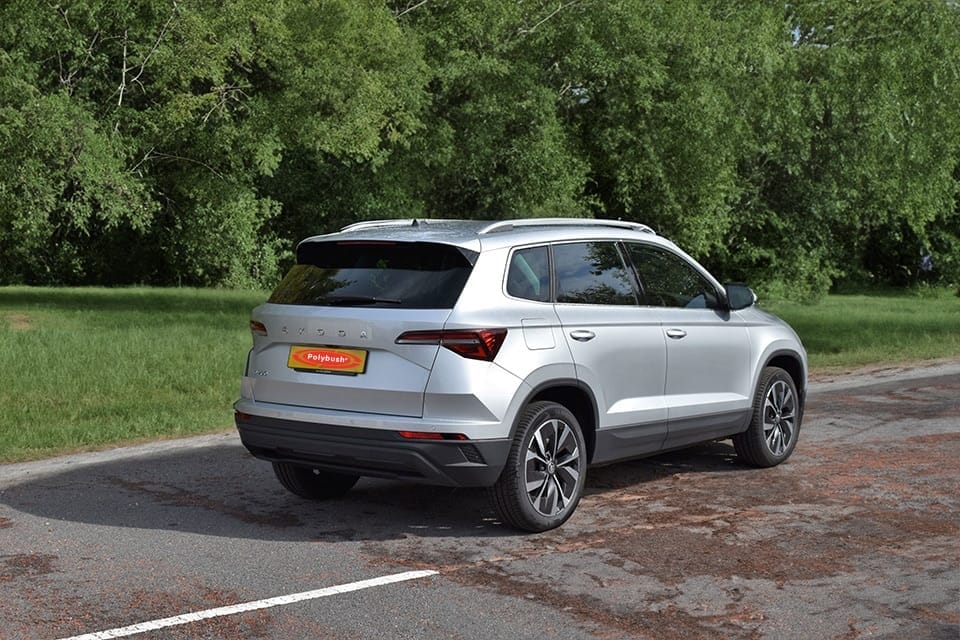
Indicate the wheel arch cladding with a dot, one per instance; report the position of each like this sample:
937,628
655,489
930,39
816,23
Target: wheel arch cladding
793,366
580,403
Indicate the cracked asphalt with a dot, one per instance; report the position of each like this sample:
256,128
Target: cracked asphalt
856,536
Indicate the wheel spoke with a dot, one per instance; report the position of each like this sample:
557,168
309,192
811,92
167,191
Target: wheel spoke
550,498
553,438
568,476
535,480
781,392
786,432
544,487
571,458
533,455
566,434
562,498
775,441
538,440
768,405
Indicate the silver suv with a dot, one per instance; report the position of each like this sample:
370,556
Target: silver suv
510,355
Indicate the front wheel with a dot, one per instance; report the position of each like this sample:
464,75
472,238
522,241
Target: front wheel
543,479
775,423
311,483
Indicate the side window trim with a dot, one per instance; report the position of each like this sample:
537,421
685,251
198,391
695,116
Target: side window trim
640,288
638,291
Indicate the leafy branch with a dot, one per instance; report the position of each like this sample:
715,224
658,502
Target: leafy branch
125,68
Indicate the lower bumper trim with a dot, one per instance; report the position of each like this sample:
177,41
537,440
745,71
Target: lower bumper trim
373,452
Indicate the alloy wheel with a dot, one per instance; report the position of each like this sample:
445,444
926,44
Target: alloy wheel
779,417
552,467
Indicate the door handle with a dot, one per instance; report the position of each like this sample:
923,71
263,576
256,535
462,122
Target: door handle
582,335
676,334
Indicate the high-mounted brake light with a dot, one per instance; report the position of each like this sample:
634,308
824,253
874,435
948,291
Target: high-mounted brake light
258,328
476,344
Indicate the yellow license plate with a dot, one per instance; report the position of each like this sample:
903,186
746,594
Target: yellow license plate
327,359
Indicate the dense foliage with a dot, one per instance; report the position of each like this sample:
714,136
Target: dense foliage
790,144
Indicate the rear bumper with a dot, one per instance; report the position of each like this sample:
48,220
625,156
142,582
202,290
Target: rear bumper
374,452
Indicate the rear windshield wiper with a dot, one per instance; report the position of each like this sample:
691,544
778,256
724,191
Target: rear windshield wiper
347,299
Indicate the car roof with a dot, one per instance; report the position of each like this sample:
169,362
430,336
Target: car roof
478,234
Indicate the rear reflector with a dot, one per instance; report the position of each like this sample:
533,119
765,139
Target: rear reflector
476,344
258,328
431,435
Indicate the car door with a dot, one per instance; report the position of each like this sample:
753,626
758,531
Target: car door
707,386
618,347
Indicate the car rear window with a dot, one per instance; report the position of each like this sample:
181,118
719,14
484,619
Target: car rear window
406,275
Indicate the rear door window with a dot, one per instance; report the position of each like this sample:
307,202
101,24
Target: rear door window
593,273
410,275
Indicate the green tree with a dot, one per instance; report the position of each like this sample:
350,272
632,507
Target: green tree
790,145
653,92
865,178
144,129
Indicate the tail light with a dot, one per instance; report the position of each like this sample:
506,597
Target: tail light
258,328
476,344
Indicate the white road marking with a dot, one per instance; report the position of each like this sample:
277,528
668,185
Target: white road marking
187,618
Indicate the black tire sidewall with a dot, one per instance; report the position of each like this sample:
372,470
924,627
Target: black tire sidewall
771,376
531,419
313,484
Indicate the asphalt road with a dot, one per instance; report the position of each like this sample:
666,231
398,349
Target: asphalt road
857,536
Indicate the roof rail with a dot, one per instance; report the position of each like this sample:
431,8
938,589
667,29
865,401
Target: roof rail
407,222
508,225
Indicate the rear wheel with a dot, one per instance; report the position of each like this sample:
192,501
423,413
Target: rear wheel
543,479
775,423
311,483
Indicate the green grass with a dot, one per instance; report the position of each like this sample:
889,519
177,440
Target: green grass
852,330
86,368
89,368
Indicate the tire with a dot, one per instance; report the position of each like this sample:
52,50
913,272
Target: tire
313,484
543,479
775,422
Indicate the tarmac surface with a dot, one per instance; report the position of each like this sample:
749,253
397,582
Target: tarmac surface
856,536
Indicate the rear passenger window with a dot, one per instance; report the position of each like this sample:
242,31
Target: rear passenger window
592,273
529,274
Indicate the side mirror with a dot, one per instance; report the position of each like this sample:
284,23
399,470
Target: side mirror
740,296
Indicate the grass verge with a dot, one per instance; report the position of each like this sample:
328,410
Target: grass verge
86,368
89,368
854,330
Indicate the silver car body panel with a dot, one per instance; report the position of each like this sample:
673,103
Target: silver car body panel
395,376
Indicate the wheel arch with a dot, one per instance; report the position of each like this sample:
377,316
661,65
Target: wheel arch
793,364
578,399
